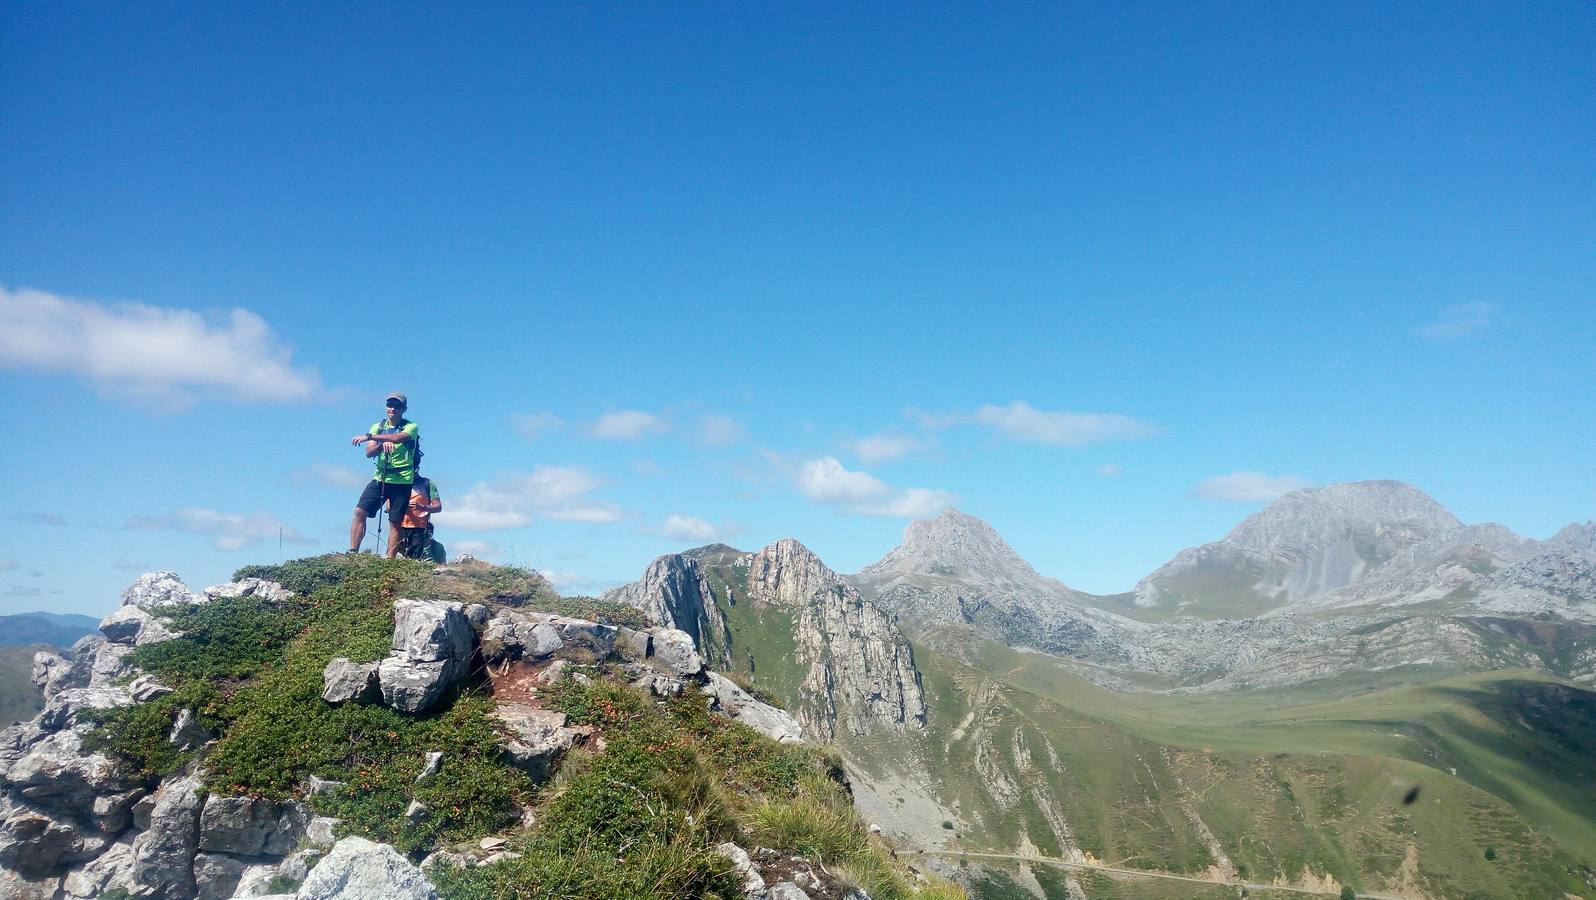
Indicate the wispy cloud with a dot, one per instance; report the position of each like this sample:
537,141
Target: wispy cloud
719,431
1110,470
888,445
7,565
828,481
1249,487
475,549
678,527
227,531
161,357
28,592
551,492
39,518
1460,321
535,425
627,425
328,475
1020,421
123,565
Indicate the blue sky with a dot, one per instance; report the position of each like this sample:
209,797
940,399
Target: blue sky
1107,276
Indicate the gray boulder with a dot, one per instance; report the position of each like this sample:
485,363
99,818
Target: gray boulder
737,703
163,855
674,650
753,882
135,626
216,875
430,630
270,591
156,590
535,739
786,891
358,869
411,686
102,873
16,886
37,843
344,681
251,826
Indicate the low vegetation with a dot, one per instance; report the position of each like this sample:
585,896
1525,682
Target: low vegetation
639,818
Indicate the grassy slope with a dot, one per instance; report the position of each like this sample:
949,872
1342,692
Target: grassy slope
1282,782
639,818
19,699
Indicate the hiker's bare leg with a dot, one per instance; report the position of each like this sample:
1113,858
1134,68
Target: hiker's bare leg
393,541
357,529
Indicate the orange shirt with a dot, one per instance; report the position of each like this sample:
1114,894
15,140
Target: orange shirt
422,493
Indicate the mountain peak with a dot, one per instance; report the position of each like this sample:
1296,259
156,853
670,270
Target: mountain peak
1316,516
960,546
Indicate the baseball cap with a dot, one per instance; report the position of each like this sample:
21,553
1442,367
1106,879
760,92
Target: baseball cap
395,395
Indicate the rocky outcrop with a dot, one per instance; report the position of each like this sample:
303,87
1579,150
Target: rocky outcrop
861,672
731,700
344,681
432,649
859,669
675,592
358,869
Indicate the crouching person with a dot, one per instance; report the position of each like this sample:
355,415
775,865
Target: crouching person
415,532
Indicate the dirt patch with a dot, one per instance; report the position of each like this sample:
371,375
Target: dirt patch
818,883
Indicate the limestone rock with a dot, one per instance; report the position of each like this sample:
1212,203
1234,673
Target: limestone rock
322,832
105,871
430,630
216,875
753,882
675,592
535,739
344,681
37,843
674,650
250,826
358,869
737,703
136,626
786,891
269,591
155,590
414,686
16,886
187,733
163,855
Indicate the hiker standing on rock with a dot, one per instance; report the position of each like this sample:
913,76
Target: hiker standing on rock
392,442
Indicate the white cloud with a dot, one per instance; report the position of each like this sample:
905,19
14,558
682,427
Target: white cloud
826,480
1026,423
328,475
719,431
887,446
227,531
562,579
597,513
1110,470
627,425
7,565
646,467
1023,422
1249,487
161,357
39,518
1462,320
550,492
911,503
687,528
534,425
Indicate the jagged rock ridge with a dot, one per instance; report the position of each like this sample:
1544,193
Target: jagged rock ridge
859,672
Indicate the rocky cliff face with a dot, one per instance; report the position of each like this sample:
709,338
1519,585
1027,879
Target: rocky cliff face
675,592
858,669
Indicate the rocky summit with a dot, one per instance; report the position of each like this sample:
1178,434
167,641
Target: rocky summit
348,728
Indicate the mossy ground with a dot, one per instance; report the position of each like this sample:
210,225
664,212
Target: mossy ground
637,820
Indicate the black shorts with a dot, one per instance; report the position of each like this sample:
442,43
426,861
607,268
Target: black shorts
397,495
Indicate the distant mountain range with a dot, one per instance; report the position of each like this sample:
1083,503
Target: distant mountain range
1264,693
54,629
